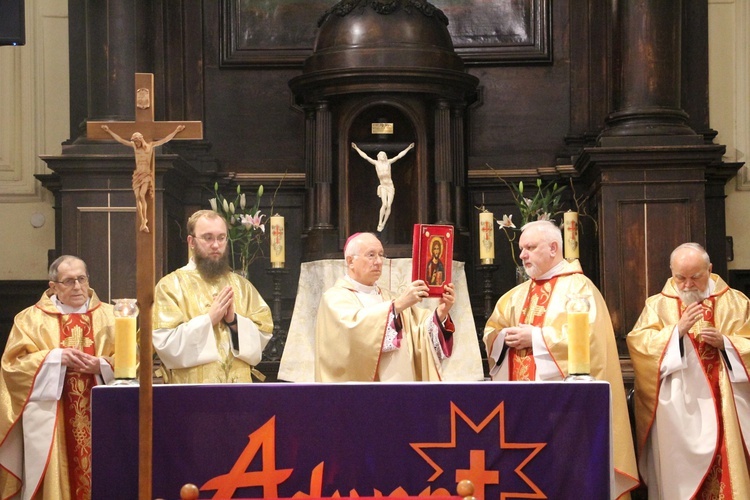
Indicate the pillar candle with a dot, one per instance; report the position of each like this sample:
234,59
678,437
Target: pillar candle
570,226
278,251
579,358
125,347
486,237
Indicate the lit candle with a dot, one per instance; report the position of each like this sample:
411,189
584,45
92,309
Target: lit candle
486,237
579,358
125,312
570,224
278,251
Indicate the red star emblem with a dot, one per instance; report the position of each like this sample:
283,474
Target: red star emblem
477,472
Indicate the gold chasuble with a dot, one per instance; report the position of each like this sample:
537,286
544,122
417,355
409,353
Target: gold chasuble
56,434
181,304
692,403
349,338
542,304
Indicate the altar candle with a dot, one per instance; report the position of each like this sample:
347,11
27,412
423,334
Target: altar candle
579,358
486,237
125,347
570,226
278,251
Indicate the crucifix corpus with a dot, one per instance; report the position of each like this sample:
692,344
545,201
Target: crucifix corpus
145,134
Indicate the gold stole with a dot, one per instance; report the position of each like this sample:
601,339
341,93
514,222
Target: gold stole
717,483
76,331
521,361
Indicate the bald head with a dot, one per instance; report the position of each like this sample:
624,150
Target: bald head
364,258
691,271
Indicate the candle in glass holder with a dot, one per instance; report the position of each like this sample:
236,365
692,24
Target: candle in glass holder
577,332
579,359
486,237
278,250
570,230
125,312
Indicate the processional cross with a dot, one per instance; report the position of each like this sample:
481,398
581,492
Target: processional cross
146,134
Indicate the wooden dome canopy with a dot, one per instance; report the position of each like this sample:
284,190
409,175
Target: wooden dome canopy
383,46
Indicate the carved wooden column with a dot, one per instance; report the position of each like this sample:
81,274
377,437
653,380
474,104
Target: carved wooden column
443,160
323,173
309,168
649,169
459,167
646,82
117,45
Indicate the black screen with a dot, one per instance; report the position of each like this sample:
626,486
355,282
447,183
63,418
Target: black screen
12,27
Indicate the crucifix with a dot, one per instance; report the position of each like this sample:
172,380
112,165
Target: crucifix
146,134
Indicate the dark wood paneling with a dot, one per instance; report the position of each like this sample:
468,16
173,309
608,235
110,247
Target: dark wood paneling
15,296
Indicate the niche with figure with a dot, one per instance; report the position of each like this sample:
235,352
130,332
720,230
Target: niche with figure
384,134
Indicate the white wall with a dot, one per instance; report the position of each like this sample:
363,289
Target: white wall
729,98
34,115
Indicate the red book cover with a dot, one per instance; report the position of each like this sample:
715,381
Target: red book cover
432,256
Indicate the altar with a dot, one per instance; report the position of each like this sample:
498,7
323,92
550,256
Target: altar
519,440
298,361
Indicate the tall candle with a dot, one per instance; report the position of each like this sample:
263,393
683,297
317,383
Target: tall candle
125,347
278,250
486,237
570,227
579,358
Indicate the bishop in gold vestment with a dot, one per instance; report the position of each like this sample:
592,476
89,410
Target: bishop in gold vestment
210,324
525,338
57,351
691,352
364,333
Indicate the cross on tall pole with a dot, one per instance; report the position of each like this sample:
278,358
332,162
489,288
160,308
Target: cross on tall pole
152,134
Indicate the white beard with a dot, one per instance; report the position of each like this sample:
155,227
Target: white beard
691,296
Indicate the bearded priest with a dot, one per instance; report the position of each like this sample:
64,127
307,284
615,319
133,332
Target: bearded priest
210,324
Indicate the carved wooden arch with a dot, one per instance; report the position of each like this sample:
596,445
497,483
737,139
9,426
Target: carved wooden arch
357,179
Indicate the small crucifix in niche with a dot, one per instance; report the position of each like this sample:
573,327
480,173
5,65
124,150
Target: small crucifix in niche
386,190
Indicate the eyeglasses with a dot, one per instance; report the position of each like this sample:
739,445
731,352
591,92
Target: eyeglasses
209,239
82,280
373,255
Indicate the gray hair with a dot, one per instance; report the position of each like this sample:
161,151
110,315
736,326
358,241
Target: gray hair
549,229
691,246
52,274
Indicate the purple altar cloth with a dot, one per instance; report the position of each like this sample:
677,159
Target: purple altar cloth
530,440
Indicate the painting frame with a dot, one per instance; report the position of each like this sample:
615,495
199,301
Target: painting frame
252,34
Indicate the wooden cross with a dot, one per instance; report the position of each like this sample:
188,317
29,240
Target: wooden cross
153,134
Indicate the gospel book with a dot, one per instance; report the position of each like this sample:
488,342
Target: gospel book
432,256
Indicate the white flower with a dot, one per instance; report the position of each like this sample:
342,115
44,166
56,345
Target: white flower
254,221
226,206
212,201
506,222
242,201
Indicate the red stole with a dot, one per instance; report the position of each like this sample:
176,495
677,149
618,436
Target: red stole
76,331
717,483
521,361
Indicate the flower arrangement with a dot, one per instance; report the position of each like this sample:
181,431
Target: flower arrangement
545,204
246,228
